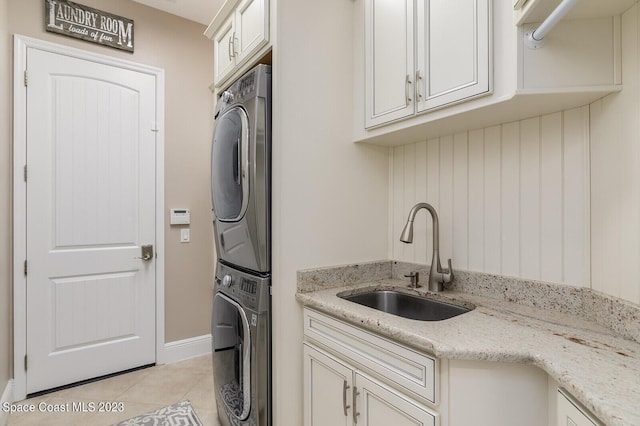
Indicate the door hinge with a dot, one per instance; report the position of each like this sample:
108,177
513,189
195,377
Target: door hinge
25,172
25,267
25,362
26,78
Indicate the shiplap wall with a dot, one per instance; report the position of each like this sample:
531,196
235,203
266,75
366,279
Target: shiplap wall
615,176
512,199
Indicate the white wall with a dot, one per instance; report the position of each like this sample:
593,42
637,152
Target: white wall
512,199
555,198
329,195
6,343
615,176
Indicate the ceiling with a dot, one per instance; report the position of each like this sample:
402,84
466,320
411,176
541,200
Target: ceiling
201,11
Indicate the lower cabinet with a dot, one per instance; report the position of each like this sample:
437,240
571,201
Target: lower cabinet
353,376
570,413
336,393
379,405
328,386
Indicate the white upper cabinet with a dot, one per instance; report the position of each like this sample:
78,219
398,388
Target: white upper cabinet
423,54
239,31
390,60
427,68
252,26
223,50
452,45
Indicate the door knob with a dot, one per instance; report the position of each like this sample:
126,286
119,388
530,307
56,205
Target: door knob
146,252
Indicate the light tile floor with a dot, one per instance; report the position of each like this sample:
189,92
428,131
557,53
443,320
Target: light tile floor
139,392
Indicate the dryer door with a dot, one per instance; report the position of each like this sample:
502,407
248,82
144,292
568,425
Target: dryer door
231,356
230,165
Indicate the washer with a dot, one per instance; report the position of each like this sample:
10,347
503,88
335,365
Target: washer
240,326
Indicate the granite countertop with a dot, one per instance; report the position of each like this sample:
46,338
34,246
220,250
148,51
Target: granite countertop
597,366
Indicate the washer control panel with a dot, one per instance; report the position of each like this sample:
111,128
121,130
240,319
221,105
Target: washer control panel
249,290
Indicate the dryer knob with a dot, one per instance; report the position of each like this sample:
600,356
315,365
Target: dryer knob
227,97
227,280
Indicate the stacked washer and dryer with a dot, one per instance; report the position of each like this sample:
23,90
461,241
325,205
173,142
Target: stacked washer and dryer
241,197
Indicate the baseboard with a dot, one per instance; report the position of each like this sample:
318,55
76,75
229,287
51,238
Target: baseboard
7,397
187,348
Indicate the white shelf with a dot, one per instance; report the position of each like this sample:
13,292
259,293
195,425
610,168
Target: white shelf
535,11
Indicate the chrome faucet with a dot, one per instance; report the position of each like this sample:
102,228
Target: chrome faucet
437,276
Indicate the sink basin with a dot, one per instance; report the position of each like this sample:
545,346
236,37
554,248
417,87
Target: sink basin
406,305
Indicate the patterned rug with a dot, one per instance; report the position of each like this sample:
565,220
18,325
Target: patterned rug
178,414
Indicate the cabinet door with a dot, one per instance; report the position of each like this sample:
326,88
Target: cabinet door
252,27
570,415
327,390
377,405
389,60
452,40
223,50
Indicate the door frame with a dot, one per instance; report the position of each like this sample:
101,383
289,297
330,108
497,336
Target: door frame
21,44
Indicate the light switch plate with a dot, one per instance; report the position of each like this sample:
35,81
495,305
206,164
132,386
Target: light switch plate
185,235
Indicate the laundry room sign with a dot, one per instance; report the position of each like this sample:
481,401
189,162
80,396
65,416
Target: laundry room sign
86,23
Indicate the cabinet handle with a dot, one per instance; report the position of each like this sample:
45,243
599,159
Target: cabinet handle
407,86
232,45
345,386
235,39
355,410
418,78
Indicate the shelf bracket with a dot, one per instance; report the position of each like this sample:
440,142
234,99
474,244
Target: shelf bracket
535,39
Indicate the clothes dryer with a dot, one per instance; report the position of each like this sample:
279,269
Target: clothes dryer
241,172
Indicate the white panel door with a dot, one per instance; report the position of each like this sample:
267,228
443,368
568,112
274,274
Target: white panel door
90,207
376,405
327,390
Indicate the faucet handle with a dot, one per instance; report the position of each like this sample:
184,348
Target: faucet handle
448,275
415,277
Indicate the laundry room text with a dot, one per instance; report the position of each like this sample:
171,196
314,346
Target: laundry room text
89,24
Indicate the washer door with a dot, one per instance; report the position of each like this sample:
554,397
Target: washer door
232,355
230,165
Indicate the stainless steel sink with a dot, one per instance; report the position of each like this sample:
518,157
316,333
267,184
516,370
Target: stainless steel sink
406,305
